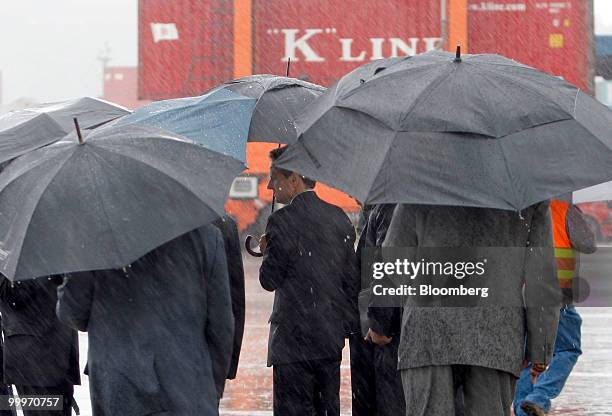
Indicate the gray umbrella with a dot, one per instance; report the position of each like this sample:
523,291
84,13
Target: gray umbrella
479,130
279,101
258,108
24,130
103,204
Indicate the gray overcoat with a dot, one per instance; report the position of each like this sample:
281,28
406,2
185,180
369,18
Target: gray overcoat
492,336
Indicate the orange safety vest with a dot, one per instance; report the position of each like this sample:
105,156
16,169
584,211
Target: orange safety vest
565,255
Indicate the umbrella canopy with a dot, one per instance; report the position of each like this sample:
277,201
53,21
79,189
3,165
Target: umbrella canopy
259,108
103,204
479,130
24,130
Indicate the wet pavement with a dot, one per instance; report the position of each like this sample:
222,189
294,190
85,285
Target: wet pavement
588,391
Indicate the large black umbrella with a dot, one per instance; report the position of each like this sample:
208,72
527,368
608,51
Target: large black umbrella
24,130
103,204
475,130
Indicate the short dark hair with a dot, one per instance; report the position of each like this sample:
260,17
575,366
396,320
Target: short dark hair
275,154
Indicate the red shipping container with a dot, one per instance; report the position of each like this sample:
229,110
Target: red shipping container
553,36
327,39
185,47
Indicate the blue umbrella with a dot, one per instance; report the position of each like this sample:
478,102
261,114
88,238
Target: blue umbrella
217,120
258,108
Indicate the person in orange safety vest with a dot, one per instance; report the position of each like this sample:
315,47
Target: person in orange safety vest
571,235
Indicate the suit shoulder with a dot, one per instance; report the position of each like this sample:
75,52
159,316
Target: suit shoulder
209,230
337,214
210,236
336,210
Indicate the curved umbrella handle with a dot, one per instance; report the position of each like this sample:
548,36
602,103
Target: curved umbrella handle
249,249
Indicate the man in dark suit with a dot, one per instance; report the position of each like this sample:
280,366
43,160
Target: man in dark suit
375,381
363,376
388,383
41,354
160,330
310,263
235,269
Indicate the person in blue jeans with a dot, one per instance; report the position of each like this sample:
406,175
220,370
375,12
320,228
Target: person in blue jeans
571,235
550,383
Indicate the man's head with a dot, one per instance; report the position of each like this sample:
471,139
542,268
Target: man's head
286,184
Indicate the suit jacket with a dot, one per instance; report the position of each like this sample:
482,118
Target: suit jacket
373,235
233,253
377,223
493,336
160,330
310,263
39,350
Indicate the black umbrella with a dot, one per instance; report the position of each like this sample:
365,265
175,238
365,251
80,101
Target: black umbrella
102,204
24,130
444,129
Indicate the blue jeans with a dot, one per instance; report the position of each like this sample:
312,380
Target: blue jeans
550,383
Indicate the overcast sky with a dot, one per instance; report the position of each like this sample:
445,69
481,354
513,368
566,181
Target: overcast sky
49,49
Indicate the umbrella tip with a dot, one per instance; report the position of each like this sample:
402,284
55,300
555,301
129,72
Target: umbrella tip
458,54
78,130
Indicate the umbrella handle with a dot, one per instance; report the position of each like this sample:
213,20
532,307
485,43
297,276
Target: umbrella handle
249,249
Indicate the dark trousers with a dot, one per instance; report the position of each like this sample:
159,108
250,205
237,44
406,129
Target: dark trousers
363,377
389,391
307,388
67,391
376,382
432,390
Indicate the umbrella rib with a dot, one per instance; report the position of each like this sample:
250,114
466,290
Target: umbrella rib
421,97
336,105
500,145
381,78
575,103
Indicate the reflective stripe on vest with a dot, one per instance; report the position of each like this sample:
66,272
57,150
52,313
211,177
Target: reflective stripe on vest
565,255
566,266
